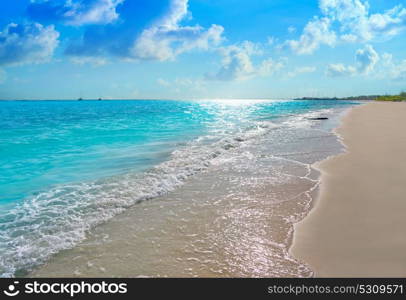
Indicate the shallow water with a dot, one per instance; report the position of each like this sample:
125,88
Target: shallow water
226,180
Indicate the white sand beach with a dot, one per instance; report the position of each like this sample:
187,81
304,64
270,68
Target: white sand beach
357,227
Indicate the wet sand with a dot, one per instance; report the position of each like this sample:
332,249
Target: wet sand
223,223
358,225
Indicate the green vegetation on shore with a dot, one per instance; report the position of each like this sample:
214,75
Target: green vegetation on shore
396,98
363,97
400,97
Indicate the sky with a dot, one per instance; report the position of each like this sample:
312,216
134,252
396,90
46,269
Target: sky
198,49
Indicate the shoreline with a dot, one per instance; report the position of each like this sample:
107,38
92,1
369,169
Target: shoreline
232,220
354,228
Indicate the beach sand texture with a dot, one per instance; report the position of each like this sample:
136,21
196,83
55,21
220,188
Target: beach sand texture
357,227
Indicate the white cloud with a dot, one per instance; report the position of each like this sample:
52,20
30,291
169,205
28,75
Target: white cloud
387,59
270,66
393,70
366,59
75,12
92,12
357,24
398,71
391,23
237,63
167,38
338,70
301,70
271,40
163,82
343,10
348,21
349,38
24,44
317,32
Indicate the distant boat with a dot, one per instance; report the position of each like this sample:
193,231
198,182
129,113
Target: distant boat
80,99
100,99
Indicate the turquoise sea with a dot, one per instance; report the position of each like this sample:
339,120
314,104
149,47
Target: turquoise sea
67,166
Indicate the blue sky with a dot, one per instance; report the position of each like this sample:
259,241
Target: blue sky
180,49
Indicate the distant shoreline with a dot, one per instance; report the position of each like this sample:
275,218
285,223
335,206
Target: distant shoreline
359,98
353,98
393,98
